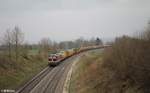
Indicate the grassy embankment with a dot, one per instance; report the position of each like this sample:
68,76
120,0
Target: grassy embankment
14,73
123,68
86,72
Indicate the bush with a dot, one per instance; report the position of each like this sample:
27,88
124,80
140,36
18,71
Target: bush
129,59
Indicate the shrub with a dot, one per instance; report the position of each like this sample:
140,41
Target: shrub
129,59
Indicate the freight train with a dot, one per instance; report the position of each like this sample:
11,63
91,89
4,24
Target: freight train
55,59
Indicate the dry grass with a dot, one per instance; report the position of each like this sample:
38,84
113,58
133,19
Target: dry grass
123,68
84,78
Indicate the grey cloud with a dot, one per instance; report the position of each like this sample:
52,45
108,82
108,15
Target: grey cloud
70,19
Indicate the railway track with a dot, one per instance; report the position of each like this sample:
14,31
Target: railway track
50,83
34,81
54,87
48,80
51,79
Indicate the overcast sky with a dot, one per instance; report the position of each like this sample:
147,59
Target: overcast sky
70,19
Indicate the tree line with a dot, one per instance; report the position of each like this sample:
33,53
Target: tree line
13,44
128,61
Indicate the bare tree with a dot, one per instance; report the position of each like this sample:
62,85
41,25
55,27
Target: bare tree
147,32
54,47
79,42
45,45
17,40
7,41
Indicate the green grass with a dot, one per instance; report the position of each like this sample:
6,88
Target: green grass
13,74
33,52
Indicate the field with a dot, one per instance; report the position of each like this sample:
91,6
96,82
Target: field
15,73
